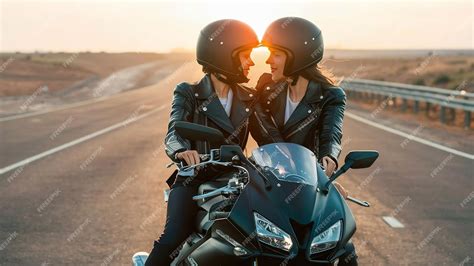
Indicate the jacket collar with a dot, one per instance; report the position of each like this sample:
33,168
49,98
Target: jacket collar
314,93
212,107
205,90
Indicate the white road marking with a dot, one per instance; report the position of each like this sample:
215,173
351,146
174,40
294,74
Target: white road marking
410,136
166,194
79,140
24,115
390,220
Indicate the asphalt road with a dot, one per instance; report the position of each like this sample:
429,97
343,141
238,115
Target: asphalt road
100,199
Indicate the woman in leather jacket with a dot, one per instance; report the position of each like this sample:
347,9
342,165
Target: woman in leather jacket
306,106
217,101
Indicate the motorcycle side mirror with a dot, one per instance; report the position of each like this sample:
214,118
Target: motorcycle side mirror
192,131
354,160
361,159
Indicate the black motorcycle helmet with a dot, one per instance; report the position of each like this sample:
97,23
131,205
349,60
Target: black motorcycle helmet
218,47
300,39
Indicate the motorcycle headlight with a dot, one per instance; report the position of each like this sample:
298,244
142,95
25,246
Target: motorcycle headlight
327,239
270,234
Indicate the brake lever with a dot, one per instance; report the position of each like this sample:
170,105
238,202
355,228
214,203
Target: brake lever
232,187
211,194
203,157
362,203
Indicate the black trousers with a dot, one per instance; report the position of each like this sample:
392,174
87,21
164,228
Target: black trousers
180,223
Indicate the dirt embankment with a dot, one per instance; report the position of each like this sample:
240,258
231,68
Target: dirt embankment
23,74
447,72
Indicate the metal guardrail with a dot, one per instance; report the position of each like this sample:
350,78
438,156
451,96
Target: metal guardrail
446,99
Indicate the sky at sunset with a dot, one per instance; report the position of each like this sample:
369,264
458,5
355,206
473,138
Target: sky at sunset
158,26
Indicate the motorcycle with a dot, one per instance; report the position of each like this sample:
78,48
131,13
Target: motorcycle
276,207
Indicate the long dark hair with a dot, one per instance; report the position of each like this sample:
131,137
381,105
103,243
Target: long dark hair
319,74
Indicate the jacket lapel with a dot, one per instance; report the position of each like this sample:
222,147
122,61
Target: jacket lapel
210,105
305,109
277,103
241,106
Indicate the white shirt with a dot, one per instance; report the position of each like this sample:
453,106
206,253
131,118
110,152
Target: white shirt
227,102
290,106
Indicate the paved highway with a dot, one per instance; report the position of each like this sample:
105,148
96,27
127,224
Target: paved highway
84,185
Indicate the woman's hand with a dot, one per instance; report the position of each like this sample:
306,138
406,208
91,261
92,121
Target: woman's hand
329,165
190,157
344,193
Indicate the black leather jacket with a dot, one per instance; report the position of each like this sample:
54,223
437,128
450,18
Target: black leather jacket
316,123
198,103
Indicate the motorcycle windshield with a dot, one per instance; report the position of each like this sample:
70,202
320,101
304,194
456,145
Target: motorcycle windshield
288,162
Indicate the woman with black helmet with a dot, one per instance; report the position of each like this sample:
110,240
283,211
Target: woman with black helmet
307,107
217,101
